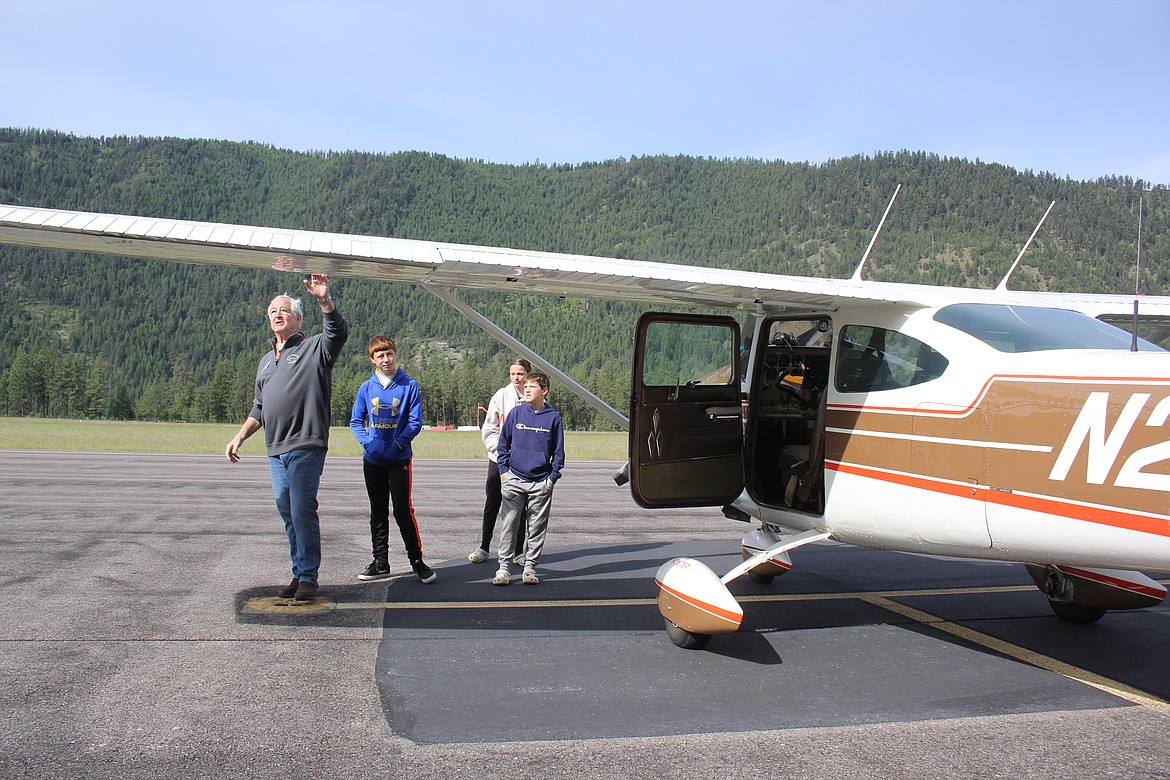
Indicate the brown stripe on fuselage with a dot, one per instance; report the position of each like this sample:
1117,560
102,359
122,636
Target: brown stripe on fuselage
1009,439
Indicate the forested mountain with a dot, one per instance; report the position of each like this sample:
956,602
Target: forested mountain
101,336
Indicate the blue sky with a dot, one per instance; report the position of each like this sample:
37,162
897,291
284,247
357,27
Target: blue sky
1078,89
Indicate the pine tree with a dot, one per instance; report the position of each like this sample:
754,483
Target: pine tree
121,403
182,390
95,389
21,384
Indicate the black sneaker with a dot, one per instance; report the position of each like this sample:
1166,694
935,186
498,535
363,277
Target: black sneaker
377,570
290,590
306,590
426,574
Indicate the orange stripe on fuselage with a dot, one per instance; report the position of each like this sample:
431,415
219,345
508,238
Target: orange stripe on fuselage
1114,518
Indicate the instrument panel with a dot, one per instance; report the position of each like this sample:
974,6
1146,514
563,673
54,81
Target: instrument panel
792,380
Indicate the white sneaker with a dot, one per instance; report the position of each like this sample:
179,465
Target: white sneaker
502,577
478,555
530,577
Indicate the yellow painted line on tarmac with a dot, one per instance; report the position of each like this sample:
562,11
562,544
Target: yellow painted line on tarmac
1121,690
637,602
889,593
319,604
273,604
498,604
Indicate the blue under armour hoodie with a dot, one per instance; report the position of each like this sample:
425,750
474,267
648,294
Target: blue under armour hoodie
387,415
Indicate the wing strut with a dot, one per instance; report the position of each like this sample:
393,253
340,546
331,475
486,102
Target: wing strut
511,342
868,249
1003,282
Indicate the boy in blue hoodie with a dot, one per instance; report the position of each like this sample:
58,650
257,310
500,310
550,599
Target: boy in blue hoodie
530,454
387,415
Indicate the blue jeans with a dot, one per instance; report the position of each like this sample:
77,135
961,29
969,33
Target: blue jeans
296,476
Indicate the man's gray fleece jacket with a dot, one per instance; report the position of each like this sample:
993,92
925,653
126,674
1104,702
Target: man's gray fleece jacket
293,392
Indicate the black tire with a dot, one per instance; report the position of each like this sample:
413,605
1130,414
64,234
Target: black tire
685,639
763,579
1076,613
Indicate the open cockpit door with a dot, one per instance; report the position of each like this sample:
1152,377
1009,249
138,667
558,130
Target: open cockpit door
686,424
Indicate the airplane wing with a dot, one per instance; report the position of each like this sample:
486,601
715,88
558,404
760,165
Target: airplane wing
445,265
426,262
1152,309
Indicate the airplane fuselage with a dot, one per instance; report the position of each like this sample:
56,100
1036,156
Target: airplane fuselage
1030,464
1018,445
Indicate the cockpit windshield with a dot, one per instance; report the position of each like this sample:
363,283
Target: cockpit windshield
1034,328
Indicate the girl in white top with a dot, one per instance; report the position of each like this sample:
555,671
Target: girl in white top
504,401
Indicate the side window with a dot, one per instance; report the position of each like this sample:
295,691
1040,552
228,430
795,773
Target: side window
878,359
688,354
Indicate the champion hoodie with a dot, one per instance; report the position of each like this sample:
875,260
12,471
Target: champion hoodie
532,444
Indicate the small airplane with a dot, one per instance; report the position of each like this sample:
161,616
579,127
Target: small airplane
992,424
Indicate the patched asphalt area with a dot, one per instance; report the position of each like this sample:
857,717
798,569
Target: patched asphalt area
583,655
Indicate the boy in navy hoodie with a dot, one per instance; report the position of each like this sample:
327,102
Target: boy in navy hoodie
530,454
387,415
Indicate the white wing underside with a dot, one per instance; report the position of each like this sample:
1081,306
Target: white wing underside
484,268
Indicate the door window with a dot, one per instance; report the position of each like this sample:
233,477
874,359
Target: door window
687,355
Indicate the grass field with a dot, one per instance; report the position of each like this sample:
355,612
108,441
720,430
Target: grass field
27,433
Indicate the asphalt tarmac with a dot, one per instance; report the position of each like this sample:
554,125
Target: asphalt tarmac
139,637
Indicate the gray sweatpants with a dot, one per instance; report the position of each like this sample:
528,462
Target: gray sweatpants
522,501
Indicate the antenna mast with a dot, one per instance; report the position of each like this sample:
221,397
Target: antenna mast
857,274
1137,280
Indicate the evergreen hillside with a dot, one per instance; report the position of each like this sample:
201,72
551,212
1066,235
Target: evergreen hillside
82,335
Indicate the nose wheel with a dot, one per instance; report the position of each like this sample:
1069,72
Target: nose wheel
695,601
680,637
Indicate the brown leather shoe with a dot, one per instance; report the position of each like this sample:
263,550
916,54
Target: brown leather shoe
290,590
306,590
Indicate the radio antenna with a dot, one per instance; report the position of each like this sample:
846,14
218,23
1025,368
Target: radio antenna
1137,280
857,273
1003,283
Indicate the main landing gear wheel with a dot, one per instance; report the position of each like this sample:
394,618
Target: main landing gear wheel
1075,613
763,579
685,639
